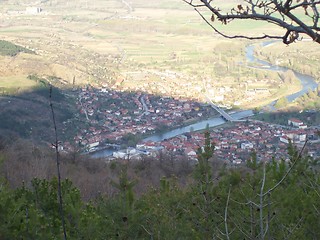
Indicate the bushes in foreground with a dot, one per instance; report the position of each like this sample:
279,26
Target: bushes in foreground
274,200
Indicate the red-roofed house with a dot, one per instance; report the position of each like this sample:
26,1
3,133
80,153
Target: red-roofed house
295,122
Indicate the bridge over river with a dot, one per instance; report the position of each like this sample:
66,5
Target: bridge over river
223,113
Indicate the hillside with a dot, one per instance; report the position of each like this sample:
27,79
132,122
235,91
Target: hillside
102,42
167,197
28,115
159,48
124,73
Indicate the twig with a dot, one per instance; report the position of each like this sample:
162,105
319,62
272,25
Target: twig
236,36
56,146
293,229
226,215
261,202
288,171
149,233
273,12
269,218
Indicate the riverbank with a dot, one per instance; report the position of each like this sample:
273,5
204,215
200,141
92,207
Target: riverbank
306,81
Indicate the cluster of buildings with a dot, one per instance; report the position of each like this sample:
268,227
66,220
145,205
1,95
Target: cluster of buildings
167,83
114,115
235,143
179,85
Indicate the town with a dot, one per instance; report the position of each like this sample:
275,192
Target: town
235,143
114,117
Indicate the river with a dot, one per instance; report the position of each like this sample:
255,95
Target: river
212,122
307,83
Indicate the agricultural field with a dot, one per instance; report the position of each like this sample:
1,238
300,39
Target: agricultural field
15,84
161,47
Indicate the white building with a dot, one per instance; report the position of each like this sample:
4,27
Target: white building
93,145
129,153
284,139
246,145
33,10
294,137
295,122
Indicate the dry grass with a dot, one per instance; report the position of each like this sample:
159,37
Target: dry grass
16,81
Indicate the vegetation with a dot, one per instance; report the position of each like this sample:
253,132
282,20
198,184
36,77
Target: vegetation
27,115
131,140
281,103
310,100
309,117
10,49
154,198
158,53
305,108
14,85
302,56
262,200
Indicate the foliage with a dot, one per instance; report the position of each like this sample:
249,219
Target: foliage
282,102
276,199
33,213
309,100
309,117
202,170
131,140
10,49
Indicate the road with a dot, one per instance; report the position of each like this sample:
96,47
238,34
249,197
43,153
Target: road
144,105
84,109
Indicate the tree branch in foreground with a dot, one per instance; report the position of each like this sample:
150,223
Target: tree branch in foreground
56,146
295,18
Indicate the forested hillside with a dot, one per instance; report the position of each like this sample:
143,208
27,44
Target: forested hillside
268,200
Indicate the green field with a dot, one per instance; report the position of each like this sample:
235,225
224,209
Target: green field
17,82
14,85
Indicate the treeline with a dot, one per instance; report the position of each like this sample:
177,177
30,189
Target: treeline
274,200
10,49
310,100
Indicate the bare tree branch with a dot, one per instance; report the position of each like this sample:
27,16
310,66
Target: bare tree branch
56,146
268,218
261,202
288,171
238,226
285,15
295,227
235,36
149,233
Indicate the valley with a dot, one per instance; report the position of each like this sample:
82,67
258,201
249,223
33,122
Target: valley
135,119
97,55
